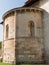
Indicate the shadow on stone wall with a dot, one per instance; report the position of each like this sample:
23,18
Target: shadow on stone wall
46,35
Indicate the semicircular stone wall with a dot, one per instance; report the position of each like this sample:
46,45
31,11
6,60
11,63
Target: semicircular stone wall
24,41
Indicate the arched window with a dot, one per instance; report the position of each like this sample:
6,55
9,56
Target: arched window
7,30
32,31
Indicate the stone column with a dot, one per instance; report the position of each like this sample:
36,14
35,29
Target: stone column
15,34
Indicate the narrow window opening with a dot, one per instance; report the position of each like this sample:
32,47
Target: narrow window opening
7,31
31,25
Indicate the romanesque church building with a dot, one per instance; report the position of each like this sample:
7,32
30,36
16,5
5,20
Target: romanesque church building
26,33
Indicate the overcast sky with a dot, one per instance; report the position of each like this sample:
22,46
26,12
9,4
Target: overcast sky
6,5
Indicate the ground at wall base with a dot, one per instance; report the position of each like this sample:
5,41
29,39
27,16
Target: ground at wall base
1,63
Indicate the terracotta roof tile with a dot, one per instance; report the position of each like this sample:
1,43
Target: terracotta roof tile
29,3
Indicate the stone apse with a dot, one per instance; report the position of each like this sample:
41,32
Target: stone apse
23,39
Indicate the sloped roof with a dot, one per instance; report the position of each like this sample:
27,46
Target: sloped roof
29,3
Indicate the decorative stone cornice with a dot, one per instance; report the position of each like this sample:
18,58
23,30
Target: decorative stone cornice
24,9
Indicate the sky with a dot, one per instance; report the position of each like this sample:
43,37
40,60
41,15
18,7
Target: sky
6,5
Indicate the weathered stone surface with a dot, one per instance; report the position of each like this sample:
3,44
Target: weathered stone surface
9,51
29,50
44,4
20,44
10,20
9,43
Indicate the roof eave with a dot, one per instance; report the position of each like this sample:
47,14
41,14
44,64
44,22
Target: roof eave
30,3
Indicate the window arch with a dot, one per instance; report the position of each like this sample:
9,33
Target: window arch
7,30
31,26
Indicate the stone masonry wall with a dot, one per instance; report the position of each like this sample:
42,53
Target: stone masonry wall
9,42
23,19
10,20
9,51
28,48
44,4
20,45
